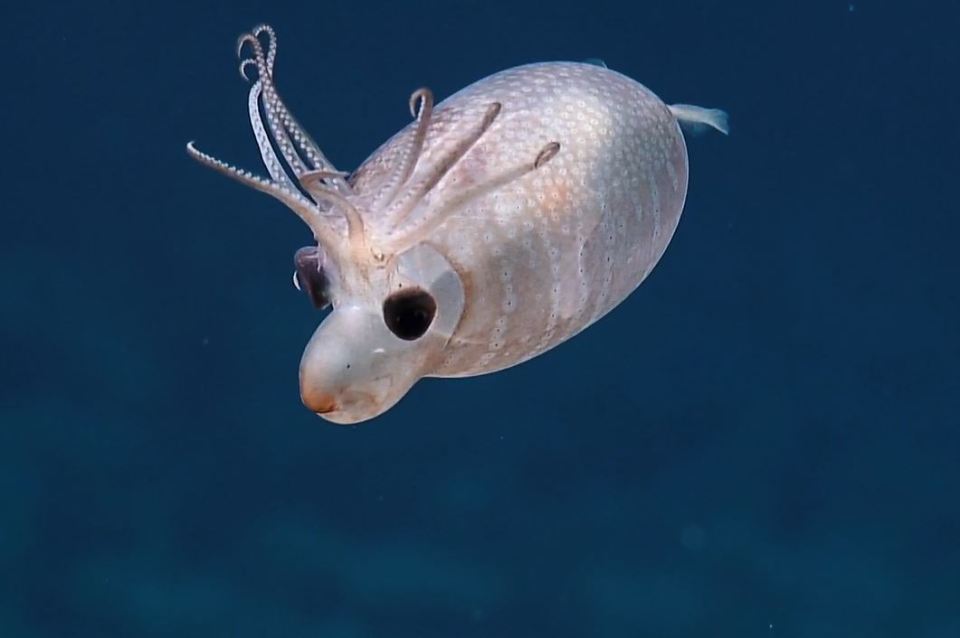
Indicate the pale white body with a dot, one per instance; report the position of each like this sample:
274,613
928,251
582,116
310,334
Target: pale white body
521,209
546,255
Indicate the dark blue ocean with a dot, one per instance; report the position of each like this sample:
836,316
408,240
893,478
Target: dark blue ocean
762,441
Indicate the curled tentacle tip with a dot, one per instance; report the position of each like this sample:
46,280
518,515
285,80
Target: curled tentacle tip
271,43
243,68
263,66
244,39
422,96
263,27
199,155
546,154
196,153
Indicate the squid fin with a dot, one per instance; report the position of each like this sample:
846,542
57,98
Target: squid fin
697,119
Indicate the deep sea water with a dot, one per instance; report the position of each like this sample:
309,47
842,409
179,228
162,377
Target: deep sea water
761,441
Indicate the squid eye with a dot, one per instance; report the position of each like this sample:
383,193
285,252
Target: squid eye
309,276
409,313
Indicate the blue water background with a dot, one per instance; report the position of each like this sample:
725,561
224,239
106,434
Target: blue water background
761,442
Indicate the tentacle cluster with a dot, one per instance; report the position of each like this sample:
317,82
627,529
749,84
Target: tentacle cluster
307,182
407,193
295,144
315,175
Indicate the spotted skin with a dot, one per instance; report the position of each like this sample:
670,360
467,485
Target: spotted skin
555,250
516,213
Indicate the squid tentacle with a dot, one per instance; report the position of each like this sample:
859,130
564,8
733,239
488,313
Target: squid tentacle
296,145
410,155
316,177
403,207
306,210
267,153
269,99
271,44
355,233
445,208
316,181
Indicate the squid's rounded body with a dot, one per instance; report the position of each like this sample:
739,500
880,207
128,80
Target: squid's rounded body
496,225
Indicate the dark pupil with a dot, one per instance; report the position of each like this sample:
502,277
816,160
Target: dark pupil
409,313
310,275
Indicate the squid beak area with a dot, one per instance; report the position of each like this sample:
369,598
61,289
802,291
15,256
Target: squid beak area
345,407
340,406
326,407
317,401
